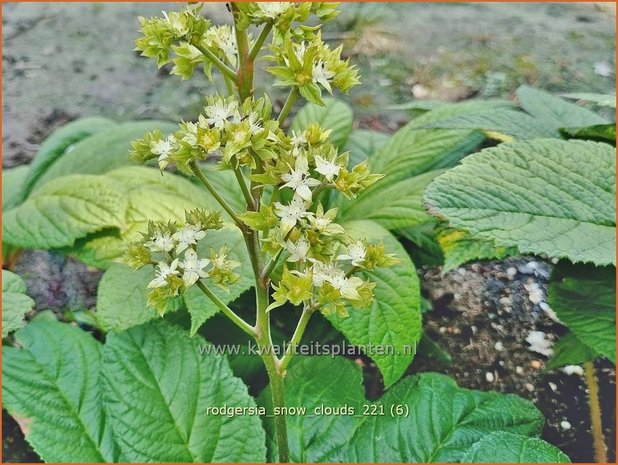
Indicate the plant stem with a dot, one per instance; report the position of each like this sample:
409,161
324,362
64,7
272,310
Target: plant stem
600,449
230,211
270,266
226,70
244,76
242,324
245,190
275,375
287,106
296,337
257,46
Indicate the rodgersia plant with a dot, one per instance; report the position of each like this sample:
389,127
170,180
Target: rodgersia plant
299,254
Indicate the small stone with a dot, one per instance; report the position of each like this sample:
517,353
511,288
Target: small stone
565,425
511,271
573,370
553,386
529,387
499,346
489,376
535,364
474,329
519,370
461,271
539,343
442,330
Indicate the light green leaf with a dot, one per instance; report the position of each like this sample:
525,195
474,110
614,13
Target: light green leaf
569,350
394,319
64,210
443,422
600,132
60,143
315,382
412,151
102,152
405,206
547,197
459,247
13,180
201,307
51,386
362,144
513,448
121,298
15,302
335,115
509,122
554,111
603,100
584,298
226,184
157,390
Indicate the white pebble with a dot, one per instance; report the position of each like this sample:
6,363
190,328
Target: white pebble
539,343
489,376
565,425
529,387
499,346
573,370
553,386
511,271
519,370
442,330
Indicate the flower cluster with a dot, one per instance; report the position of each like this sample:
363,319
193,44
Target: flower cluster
173,250
283,15
237,133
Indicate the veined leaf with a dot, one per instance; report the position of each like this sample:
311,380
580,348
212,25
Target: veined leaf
60,143
405,206
600,132
15,302
544,197
555,111
102,152
335,115
603,100
157,389
201,307
513,448
362,144
426,418
584,298
13,180
394,319
51,386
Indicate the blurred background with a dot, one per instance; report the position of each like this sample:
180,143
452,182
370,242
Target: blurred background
63,60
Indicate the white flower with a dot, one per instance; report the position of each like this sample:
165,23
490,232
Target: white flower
298,251
160,243
273,9
347,286
298,138
292,213
188,235
190,135
164,270
254,123
356,253
176,23
193,267
322,272
219,112
298,179
163,148
223,38
326,168
321,74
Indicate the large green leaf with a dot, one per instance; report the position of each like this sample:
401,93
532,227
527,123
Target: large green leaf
544,197
405,206
393,321
335,115
362,144
569,350
554,111
424,418
51,386
603,100
600,132
102,152
157,390
201,307
13,180
61,142
15,302
102,213
584,298
412,151
121,298
513,448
